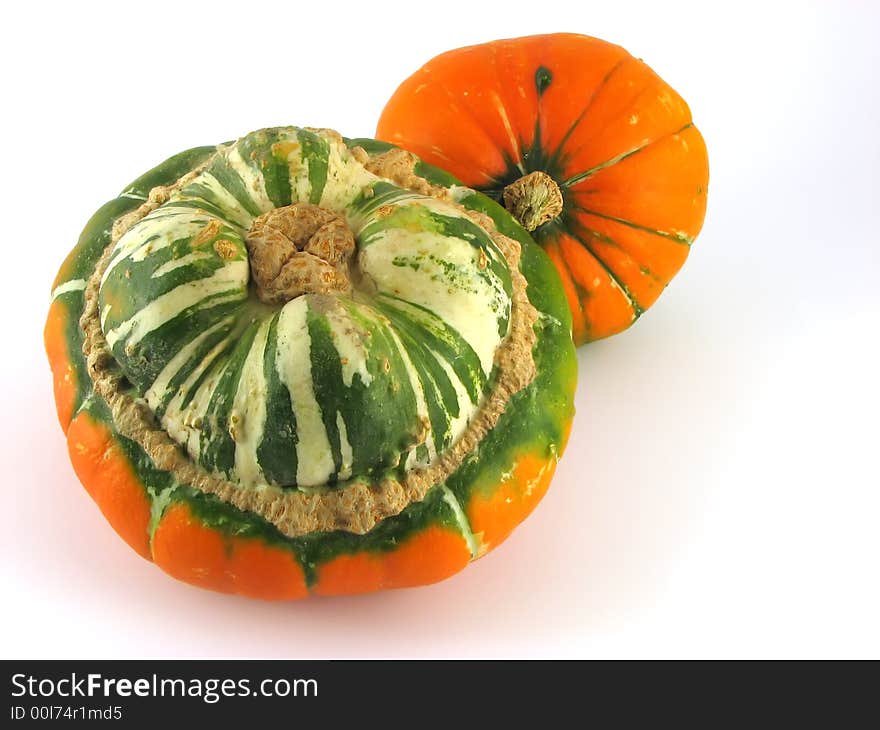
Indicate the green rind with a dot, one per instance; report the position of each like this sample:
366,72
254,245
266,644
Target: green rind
169,171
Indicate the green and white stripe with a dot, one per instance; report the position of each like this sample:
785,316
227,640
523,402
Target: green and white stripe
323,388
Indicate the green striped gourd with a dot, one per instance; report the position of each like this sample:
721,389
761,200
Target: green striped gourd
361,434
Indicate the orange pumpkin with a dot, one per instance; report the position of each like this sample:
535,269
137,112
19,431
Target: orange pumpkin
588,148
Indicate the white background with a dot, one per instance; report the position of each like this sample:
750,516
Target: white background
720,494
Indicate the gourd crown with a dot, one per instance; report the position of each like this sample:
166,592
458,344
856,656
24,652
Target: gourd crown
309,332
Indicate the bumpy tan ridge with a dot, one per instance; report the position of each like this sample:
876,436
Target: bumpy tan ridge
357,506
534,199
299,249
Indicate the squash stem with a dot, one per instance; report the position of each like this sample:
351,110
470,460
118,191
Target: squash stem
534,199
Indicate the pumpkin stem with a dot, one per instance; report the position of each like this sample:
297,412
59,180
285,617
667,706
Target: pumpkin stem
534,199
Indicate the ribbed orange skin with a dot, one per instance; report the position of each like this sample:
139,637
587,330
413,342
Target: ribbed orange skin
620,142
63,375
105,472
427,557
195,553
493,514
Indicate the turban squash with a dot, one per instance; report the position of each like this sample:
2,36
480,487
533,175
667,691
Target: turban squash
584,144
302,364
